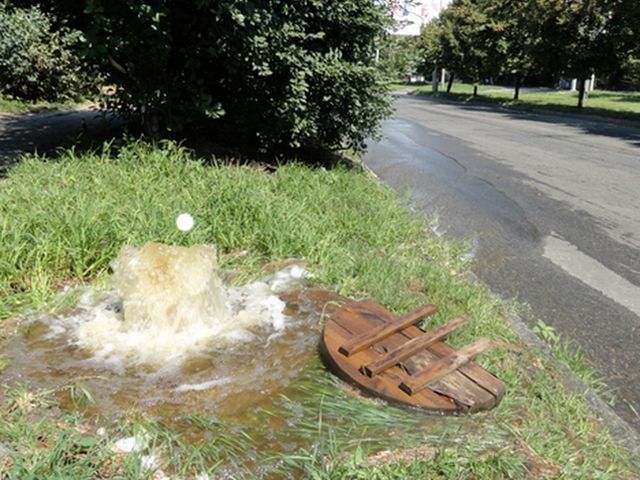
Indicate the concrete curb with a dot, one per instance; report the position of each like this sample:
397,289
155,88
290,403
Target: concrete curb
622,433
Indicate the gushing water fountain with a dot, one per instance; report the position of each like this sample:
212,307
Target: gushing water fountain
170,334
173,306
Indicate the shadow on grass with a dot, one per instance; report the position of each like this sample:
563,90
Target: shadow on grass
625,97
212,151
48,133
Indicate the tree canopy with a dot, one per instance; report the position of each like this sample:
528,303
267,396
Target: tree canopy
275,73
550,38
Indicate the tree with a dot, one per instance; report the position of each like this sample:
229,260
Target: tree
585,35
587,44
466,41
428,47
515,29
278,74
398,57
624,30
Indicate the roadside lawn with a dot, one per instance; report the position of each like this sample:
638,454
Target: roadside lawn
62,221
16,105
623,105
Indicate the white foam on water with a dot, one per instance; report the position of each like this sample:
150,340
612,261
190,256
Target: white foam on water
169,305
285,279
198,387
131,444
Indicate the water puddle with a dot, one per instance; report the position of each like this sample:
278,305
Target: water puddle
172,334
172,341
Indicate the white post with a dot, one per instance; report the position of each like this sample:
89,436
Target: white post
443,76
574,84
592,82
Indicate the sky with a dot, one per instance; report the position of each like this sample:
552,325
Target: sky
410,15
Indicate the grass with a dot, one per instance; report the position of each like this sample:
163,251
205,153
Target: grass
62,221
16,105
623,105
566,350
444,464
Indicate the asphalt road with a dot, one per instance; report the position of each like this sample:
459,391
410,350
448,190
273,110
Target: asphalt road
550,206
44,131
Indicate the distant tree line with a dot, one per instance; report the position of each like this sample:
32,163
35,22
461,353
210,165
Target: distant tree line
534,39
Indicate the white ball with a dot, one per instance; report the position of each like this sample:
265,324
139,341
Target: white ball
184,222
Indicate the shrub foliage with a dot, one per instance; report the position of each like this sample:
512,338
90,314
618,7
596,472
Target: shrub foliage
37,60
277,73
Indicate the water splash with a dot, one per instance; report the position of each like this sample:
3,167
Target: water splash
234,353
170,304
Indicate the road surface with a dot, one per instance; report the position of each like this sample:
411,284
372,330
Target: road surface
550,206
44,131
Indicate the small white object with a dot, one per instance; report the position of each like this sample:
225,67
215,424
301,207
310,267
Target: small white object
127,445
149,462
184,222
131,444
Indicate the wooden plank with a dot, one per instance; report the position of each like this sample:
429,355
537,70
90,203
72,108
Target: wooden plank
383,386
360,316
471,385
413,346
455,385
385,330
474,372
478,376
445,366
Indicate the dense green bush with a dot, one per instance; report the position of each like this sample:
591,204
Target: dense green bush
38,61
275,73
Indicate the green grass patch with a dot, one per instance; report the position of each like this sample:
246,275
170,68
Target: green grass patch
622,105
16,105
62,221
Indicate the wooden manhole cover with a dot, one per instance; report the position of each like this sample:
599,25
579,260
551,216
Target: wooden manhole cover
389,357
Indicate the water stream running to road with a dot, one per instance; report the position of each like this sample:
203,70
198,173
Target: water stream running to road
171,339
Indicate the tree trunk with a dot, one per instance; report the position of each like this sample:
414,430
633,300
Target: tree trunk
582,93
475,89
151,121
449,85
615,79
516,94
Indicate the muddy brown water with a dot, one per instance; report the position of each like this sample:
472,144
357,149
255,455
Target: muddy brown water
254,386
224,381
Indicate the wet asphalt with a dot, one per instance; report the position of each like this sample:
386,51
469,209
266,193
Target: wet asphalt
43,132
550,207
